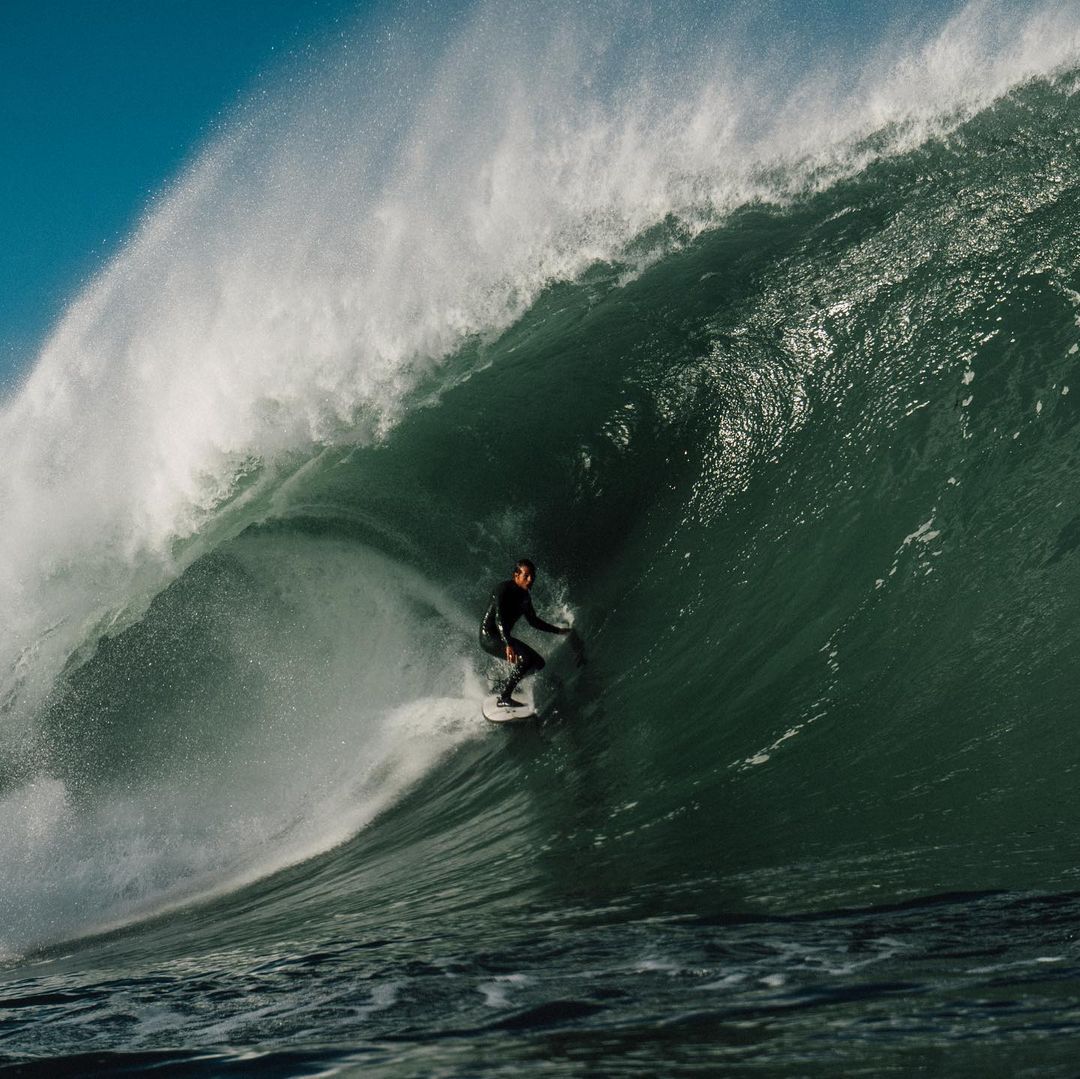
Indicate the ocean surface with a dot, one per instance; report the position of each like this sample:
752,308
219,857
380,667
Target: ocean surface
769,356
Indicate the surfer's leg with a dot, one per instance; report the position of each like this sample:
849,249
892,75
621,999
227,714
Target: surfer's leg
494,647
529,662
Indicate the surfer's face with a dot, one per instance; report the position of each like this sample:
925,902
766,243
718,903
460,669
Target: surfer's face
523,577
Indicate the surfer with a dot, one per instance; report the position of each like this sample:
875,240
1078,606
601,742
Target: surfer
509,602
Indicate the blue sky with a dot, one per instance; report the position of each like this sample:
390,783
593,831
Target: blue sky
101,103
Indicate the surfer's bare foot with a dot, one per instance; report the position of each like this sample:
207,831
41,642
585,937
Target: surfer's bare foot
509,702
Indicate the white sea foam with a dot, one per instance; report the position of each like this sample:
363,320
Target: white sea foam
219,787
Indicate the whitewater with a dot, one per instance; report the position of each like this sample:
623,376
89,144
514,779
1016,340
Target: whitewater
765,348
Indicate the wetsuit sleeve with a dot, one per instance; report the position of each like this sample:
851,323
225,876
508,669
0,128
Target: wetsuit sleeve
535,620
503,616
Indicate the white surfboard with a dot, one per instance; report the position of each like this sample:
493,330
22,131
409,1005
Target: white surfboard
496,714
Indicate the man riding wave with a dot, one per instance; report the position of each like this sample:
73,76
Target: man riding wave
509,602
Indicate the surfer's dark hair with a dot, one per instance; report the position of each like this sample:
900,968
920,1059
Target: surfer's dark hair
525,563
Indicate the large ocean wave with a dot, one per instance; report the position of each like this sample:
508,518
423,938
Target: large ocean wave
768,365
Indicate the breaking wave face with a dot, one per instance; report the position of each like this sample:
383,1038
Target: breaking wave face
764,352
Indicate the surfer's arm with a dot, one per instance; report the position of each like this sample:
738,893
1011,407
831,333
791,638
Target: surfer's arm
500,631
537,622
500,623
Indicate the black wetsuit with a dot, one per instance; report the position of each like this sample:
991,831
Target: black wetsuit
508,603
